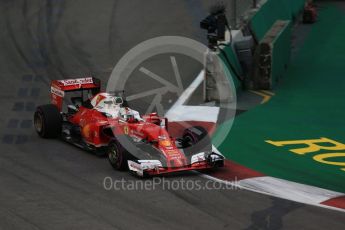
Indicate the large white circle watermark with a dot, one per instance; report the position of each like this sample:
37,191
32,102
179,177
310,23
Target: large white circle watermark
223,112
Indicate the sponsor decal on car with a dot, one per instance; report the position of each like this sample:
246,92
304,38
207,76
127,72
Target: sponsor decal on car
135,167
198,157
57,91
78,81
165,143
86,131
138,134
126,130
172,152
150,164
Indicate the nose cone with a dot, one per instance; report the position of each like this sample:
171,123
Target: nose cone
175,158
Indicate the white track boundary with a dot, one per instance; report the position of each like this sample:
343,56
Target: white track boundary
181,112
283,195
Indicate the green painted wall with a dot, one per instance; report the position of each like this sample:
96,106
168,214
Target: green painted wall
272,11
232,57
281,54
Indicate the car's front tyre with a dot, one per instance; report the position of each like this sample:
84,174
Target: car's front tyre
194,135
117,156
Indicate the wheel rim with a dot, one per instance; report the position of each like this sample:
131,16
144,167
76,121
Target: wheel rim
189,140
38,122
113,155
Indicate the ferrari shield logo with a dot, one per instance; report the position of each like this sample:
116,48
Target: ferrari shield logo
125,130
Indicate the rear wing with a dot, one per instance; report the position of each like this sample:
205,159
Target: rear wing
59,87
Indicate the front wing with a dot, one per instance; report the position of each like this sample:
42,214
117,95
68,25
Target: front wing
198,161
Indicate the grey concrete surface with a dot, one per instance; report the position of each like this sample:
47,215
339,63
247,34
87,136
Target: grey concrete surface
47,184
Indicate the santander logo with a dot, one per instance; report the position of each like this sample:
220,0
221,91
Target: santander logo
81,81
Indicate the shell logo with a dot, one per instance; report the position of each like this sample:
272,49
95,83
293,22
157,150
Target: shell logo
165,143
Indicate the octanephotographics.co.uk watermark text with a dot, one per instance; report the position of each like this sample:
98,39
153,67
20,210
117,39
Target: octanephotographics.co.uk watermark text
162,183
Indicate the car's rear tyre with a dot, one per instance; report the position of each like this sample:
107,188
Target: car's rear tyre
117,156
48,121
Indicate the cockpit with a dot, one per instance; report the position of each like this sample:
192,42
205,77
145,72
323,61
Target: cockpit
114,107
107,104
129,115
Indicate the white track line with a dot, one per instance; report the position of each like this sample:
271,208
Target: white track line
181,112
268,192
290,190
193,113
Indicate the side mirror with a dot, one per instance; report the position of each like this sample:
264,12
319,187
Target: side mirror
72,109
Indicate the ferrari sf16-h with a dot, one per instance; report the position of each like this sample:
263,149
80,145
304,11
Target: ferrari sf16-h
103,123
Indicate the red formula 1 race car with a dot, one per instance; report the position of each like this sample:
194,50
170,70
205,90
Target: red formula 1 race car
103,123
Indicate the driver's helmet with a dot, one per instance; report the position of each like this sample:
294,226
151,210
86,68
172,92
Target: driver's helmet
107,103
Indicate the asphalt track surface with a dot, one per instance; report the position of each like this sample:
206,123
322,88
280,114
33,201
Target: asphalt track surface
47,184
